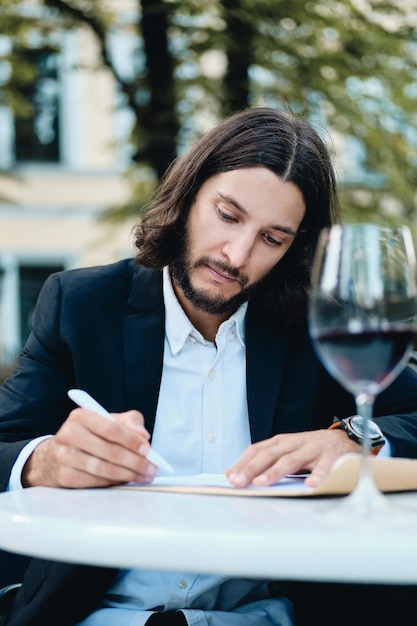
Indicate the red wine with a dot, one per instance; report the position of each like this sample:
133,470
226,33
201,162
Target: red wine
366,360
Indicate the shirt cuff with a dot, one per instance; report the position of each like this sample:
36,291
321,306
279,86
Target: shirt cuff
386,450
15,481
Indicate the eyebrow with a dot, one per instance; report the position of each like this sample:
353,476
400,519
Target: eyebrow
239,207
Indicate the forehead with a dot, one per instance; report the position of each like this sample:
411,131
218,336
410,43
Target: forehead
257,193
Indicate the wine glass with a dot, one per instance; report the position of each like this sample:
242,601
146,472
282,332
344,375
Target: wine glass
362,319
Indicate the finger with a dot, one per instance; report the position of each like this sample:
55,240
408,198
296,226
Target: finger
315,478
321,469
274,458
237,474
77,469
259,460
133,420
82,422
315,452
116,453
265,463
109,445
289,463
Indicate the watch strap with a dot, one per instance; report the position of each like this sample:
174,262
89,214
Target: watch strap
340,425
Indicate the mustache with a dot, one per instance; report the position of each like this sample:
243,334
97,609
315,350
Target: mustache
234,273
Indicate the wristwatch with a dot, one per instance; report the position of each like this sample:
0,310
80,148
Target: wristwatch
353,426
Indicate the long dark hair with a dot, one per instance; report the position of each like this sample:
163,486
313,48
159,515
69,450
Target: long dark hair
270,138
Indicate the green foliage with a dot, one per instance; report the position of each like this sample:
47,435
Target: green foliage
349,66
143,184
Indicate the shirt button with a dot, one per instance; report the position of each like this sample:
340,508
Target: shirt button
182,584
212,374
231,337
192,339
212,437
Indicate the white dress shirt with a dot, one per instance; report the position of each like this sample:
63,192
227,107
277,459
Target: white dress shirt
201,425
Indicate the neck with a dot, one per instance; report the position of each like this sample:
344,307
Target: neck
207,324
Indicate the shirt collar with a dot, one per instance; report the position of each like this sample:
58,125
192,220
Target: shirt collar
178,327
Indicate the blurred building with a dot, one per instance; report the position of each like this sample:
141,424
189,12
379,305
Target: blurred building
61,168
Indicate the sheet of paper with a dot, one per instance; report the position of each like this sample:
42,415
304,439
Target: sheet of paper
220,480
391,475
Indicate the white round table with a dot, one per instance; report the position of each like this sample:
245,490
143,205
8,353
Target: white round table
282,538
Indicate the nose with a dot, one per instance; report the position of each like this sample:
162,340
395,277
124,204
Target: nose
238,249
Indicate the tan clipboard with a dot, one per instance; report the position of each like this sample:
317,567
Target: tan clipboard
391,475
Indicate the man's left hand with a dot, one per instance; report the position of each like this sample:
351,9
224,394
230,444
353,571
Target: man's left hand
266,462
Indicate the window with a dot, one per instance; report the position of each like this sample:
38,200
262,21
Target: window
21,281
31,279
37,133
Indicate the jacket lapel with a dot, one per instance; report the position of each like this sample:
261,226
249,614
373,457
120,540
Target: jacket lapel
144,343
265,357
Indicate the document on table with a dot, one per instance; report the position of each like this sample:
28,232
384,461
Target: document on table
391,474
218,483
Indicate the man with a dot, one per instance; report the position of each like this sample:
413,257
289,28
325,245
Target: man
201,342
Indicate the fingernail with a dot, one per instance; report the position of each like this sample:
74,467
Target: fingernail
146,479
238,479
313,481
151,471
144,448
262,479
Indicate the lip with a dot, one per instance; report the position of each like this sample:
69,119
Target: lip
220,277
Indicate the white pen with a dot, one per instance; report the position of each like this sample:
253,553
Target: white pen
84,400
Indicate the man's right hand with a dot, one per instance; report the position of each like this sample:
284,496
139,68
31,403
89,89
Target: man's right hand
90,451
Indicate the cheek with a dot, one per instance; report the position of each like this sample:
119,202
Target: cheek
200,229
264,262
205,237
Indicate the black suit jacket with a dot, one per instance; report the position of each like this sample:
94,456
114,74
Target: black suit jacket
102,329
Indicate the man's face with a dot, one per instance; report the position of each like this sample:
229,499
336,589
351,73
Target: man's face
240,225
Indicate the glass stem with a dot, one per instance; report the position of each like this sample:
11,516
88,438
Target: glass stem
364,407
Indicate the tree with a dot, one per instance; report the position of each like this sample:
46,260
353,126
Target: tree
156,119
347,65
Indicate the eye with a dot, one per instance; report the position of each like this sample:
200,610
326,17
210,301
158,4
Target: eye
225,215
271,241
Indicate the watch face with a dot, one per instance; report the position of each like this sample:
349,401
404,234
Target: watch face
356,424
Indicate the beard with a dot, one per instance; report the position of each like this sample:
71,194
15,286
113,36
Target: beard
181,269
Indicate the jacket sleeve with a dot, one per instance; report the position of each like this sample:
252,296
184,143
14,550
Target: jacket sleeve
396,413
33,400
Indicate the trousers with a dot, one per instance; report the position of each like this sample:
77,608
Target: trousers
174,618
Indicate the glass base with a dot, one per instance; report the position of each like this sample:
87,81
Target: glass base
366,499
366,502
